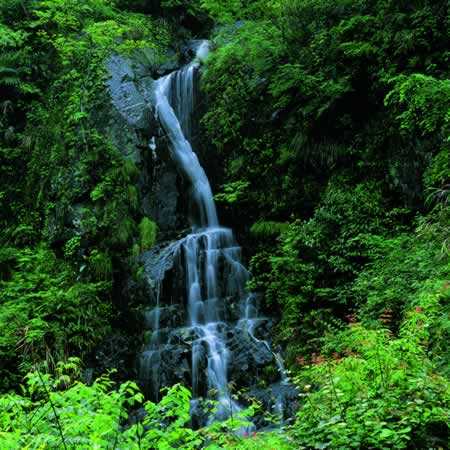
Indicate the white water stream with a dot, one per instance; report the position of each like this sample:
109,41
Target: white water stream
212,258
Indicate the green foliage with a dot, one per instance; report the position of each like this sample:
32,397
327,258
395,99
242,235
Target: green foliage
228,435
438,172
63,181
392,282
324,86
229,11
376,392
66,127
409,272
334,116
319,257
57,410
148,232
78,416
166,422
223,11
13,60
45,312
72,246
9,76
421,101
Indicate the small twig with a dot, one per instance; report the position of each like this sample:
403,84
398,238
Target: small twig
383,380
116,438
25,10
38,419
334,389
58,423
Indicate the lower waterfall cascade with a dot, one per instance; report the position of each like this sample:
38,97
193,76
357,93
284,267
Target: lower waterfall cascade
202,317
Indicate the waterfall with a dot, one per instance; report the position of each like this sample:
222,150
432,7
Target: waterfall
179,87
213,272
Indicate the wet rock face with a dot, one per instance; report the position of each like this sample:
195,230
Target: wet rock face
173,360
126,98
115,352
279,399
249,356
134,131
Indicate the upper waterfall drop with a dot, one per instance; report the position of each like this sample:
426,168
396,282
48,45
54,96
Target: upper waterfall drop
178,88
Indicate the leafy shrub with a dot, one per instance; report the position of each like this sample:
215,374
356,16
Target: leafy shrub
376,392
46,313
420,101
318,259
321,87
78,416
395,279
59,411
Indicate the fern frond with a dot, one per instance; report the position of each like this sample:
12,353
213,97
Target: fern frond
8,59
6,106
10,82
268,228
130,171
319,154
9,76
8,71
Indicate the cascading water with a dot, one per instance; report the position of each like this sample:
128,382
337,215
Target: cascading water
177,89
213,273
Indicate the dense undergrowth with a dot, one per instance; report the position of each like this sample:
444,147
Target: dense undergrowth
331,123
